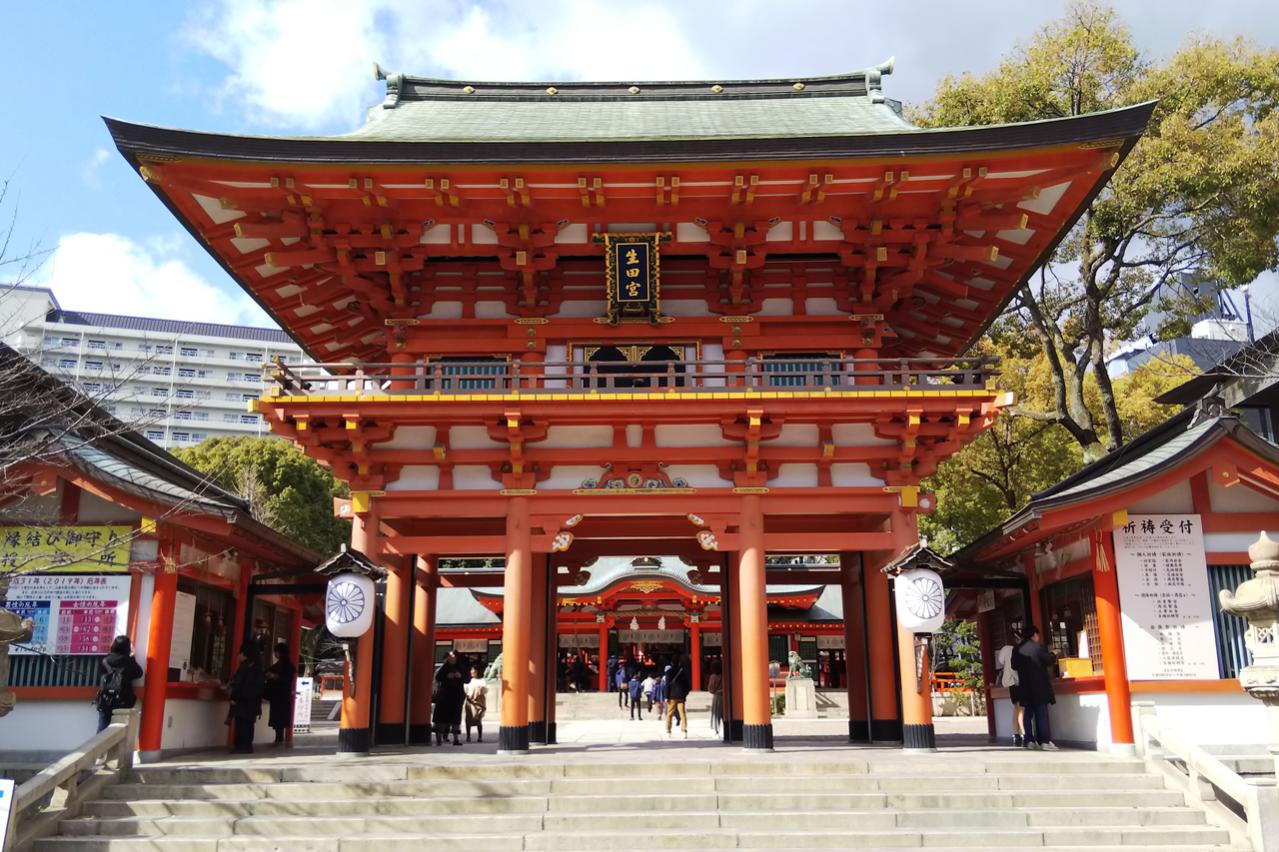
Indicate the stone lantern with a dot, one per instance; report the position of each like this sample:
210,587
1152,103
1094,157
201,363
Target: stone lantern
1257,600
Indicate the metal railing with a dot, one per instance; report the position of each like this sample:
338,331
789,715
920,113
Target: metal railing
1207,779
755,374
60,790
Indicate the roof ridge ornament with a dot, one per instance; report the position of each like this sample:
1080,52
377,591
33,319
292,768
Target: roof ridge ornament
394,85
874,79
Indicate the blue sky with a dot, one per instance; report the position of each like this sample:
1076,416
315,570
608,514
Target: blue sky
305,67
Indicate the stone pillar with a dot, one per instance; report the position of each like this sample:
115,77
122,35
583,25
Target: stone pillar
1110,628
757,727
159,642
537,654
355,732
424,593
390,728
854,647
516,617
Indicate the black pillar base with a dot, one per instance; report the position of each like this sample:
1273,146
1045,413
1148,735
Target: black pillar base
354,740
419,734
919,736
757,737
537,732
550,734
511,738
389,733
858,731
886,730
734,730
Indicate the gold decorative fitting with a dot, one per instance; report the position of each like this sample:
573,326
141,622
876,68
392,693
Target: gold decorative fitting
634,90
717,88
470,90
799,87
551,90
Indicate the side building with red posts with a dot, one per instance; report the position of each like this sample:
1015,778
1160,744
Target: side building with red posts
103,533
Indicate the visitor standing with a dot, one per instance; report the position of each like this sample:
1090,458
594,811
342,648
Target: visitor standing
246,698
1031,660
450,695
649,683
679,683
280,689
577,673
622,689
636,688
476,692
1008,680
715,686
115,685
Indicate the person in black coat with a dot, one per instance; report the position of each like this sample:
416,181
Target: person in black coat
1031,661
246,698
450,695
679,683
280,691
115,687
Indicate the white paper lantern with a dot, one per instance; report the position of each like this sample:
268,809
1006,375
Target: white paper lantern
349,605
921,600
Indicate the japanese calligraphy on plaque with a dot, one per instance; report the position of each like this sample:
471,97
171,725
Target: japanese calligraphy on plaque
632,266
65,548
1164,598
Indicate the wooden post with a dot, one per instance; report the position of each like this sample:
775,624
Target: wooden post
355,735
1105,585
423,651
695,643
537,654
516,616
159,642
395,638
854,649
885,726
757,727
987,671
915,678
603,674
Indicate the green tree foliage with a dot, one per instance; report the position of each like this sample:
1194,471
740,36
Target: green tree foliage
957,649
1199,194
284,487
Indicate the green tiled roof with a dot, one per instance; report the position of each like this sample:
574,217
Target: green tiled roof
418,109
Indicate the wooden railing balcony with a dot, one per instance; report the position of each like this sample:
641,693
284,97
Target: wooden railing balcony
515,377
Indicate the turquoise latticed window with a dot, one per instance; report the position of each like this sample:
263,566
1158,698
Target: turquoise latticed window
471,375
801,370
1228,630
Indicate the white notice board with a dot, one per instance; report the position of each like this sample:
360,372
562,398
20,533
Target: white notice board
302,705
73,613
183,631
1164,598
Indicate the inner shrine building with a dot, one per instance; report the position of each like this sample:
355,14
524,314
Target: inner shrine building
710,321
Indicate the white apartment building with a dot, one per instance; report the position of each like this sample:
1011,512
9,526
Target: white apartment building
179,382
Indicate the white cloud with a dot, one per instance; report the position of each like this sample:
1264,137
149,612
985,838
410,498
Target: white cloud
89,172
109,273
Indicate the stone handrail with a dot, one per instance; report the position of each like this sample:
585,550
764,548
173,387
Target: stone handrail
59,790
1204,777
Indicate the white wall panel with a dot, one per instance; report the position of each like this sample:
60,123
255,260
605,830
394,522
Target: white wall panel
409,438
416,477
852,475
474,477
698,475
691,435
472,438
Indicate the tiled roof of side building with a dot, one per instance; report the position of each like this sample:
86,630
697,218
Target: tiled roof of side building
174,327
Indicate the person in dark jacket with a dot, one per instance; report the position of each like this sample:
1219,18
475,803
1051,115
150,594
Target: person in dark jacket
115,686
280,691
1031,661
450,695
679,683
246,698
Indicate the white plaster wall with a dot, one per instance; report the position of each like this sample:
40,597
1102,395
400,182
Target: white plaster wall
570,476
698,475
707,435
568,437
416,477
445,310
781,231
471,438
858,435
410,438
575,233
483,235
47,726
713,352
685,307
556,355
490,309
1211,718
821,307
437,235
1174,499
474,477
634,435
795,435
852,475
581,309
776,308
95,510
795,476
687,232
191,723
1234,542
142,627
1239,498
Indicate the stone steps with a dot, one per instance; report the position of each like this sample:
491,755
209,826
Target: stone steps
778,802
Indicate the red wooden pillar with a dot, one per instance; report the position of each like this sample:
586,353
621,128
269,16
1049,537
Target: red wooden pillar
516,616
757,725
854,648
987,670
537,653
1036,614
295,648
423,651
885,726
604,657
695,642
159,642
1109,626
355,735
390,727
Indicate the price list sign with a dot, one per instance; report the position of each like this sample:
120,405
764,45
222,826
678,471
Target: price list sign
74,613
1165,599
